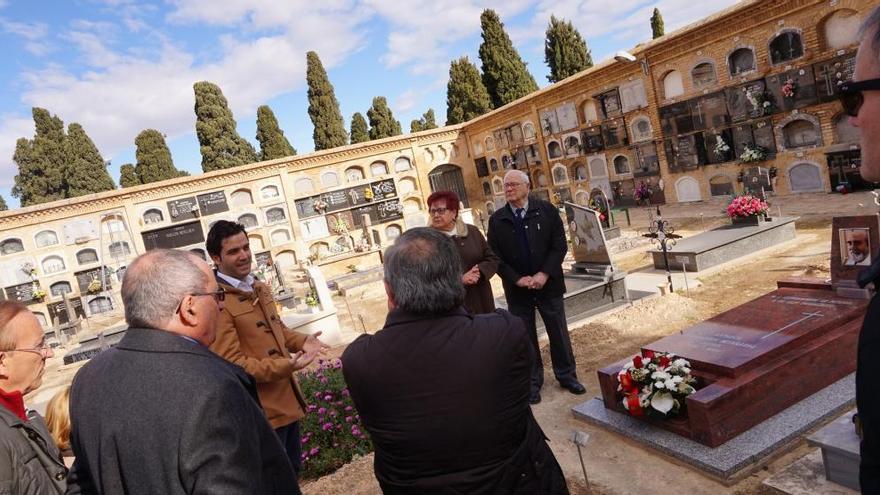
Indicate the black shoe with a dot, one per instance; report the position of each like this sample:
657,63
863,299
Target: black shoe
574,387
535,398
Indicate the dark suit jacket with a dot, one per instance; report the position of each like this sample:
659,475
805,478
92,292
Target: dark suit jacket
867,398
445,400
161,414
546,235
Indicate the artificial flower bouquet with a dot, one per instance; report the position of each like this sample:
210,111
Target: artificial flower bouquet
656,384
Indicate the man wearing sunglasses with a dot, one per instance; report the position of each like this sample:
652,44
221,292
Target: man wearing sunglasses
160,412
861,101
251,334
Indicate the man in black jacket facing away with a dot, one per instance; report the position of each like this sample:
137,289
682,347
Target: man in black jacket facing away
529,237
443,392
160,413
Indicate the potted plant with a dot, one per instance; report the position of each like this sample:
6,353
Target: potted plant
312,302
747,210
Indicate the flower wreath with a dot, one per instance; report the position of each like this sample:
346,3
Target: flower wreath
655,382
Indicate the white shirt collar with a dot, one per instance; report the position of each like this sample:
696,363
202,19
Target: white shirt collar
246,285
525,207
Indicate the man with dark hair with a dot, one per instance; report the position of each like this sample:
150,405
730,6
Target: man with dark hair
861,101
160,413
442,392
251,334
529,237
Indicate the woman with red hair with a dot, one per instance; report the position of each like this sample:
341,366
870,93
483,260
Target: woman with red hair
478,262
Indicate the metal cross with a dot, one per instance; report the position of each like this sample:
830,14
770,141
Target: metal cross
662,234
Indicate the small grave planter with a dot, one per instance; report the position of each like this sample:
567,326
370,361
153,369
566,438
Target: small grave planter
750,221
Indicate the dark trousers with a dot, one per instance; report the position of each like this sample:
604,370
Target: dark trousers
552,313
292,443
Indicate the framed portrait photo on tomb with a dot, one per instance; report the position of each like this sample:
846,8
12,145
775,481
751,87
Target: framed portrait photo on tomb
854,245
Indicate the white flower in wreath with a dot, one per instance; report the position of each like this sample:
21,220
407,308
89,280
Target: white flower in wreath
663,402
660,375
681,363
659,385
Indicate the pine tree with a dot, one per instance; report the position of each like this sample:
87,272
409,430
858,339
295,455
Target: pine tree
504,72
127,176
323,107
87,172
657,24
466,96
3,206
154,161
360,132
273,144
42,164
565,51
382,123
221,146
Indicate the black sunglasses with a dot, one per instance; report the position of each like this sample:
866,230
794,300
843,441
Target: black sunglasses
851,97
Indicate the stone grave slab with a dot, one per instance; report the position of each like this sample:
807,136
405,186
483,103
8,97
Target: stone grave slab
755,360
725,244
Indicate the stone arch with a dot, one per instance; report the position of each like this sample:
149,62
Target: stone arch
580,171
269,192
11,245
490,207
119,249
100,304
378,168
493,165
490,143
805,176
687,189
703,74
402,164
528,130
597,166
673,85
354,174
641,129
539,179
275,215
153,215
86,256
721,185
839,29
412,205
554,149
582,198
46,238
448,177
785,46
800,130
741,60
319,249
113,223
256,241
487,188
53,264
60,287
392,232
498,185
280,236
285,260
560,174
249,221
406,185
303,185
241,197
572,144
329,179
622,165
590,113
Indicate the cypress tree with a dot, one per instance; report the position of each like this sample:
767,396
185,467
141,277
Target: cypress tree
154,161
87,172
360,133
3,206
323,107
565,51
466,96
423,124
273,144
382,123
415,125
42,163
221,146
657,24
504,72
127,176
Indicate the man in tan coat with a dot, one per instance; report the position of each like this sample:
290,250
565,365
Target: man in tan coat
251,334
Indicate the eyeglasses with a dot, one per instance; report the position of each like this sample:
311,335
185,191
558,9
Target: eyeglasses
851,97
42,349
438,211
219,294
513,184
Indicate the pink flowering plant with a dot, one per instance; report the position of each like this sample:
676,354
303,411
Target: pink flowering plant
747,206
332,434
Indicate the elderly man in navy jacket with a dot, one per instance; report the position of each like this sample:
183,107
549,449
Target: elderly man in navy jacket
443,392
529,237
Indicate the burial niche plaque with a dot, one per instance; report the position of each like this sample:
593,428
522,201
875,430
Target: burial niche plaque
174,237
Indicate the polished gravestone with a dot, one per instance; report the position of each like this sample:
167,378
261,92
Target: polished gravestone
725,244
759,360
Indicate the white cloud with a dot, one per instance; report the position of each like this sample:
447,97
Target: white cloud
33,34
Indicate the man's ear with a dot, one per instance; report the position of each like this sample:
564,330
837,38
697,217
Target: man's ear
187,312
390,294
4,362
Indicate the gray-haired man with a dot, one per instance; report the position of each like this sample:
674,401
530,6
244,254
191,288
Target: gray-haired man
443,392
160,413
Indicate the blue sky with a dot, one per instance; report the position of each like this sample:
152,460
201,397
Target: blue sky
120,66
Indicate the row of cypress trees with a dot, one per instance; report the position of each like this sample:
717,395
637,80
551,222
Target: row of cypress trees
56,164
